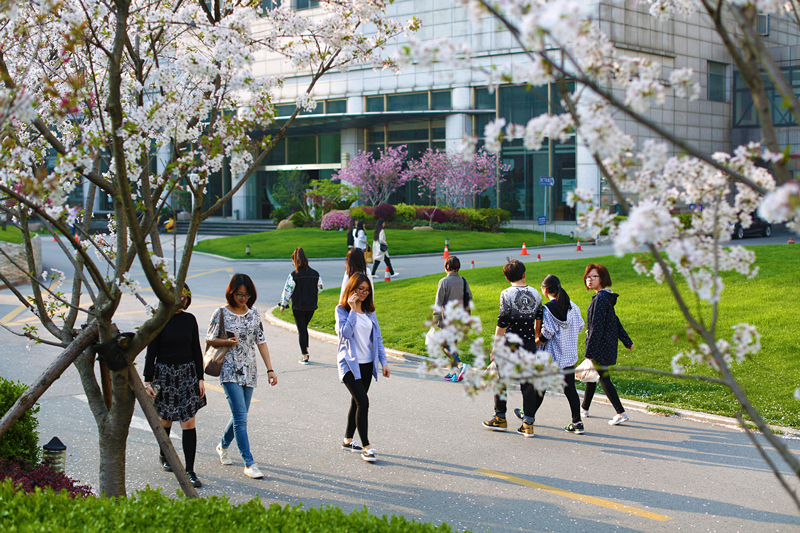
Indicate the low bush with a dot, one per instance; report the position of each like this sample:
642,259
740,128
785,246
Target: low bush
431,214
405,213
485,219
454,216
363,213
449,226
21,441
152,511
28,478
335,220
686,220
385,211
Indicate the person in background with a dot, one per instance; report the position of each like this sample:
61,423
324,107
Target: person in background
239,369
173,377
302,287
561,325
360,236
452,287
380,249
520,313
350,237
359,352
354,263
603,334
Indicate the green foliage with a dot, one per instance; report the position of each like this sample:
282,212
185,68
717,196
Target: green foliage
617,220
11,234
289,192
650,316
300,218
152,511
359,214
485,219
405,213
686,220
22,440
329,195
319,243
279,213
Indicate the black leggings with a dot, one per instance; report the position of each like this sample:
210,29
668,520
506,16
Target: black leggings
532,400
608,388
359,402
388,264
302,318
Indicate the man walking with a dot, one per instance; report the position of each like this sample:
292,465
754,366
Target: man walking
520,313
452,287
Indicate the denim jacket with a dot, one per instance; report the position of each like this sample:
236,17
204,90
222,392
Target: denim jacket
346,355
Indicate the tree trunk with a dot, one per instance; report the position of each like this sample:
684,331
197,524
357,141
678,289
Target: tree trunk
113,432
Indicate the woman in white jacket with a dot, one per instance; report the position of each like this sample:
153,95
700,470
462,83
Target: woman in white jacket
561,324
379,239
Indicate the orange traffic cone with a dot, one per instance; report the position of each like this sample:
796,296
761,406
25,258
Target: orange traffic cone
524,250
790,241
578,249
387,277
472,264
539,258
446,252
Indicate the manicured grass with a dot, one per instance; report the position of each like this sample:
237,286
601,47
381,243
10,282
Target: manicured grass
651,318
11,234
316,243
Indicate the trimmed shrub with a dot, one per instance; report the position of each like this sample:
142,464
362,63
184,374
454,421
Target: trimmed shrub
486,219
151,511
360,213
385,211
454,216
405,212
22,440
27,478
335,220
430,214
686,220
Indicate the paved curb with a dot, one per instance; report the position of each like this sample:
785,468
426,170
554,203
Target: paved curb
633,405
436,254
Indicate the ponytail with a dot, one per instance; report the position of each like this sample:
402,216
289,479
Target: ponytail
553,286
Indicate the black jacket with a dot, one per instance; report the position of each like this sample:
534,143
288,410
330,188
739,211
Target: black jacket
604,330
304,297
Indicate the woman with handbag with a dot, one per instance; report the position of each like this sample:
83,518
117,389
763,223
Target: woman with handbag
603,333
561,324
359,352
360,236
302,287
380,250
237,325
173,377
354,263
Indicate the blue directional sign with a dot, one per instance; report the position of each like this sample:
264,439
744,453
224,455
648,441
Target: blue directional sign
542,221
547,181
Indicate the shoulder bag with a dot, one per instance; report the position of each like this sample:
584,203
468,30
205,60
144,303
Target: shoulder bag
368,254
215,355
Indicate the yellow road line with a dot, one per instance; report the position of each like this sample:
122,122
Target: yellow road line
220,389
575,496
13,314
210,272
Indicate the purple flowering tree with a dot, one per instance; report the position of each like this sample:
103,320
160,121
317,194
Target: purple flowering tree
377,178
454,179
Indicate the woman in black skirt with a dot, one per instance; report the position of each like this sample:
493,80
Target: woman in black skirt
173,375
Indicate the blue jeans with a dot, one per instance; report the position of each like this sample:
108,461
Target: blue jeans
239,401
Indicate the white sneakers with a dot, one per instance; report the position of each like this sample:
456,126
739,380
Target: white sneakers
253,472
584,413
224,458
618,419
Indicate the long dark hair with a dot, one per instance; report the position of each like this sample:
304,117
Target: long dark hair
553,286
352,224
299,259
241,280
360,225
355,280
378,227
354,262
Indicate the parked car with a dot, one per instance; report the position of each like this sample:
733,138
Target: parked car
758,227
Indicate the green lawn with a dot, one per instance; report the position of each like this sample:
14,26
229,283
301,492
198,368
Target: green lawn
646,309
318,243
11,234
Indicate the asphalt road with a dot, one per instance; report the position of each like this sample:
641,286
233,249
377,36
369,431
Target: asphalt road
435,461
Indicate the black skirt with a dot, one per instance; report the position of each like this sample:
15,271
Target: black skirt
178,398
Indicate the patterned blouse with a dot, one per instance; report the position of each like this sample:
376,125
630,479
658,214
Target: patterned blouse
240,361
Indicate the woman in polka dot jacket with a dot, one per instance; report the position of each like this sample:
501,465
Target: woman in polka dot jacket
603,332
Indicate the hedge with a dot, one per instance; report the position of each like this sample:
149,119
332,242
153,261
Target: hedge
151,511
21,441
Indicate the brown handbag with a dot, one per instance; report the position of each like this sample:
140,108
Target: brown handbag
215,355
368,254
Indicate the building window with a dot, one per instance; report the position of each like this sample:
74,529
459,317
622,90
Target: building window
336,106
763,25
269,5
375,104
716,81
407,102
441,101
305,4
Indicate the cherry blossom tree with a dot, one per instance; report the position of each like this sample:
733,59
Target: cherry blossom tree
453,177
562,44
103,89
377,178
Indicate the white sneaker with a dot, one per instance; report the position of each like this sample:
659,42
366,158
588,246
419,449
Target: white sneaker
224,458
253,472
395,274
368,455
618,419
584,413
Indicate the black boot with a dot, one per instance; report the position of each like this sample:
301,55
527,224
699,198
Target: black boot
193,478
164,463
